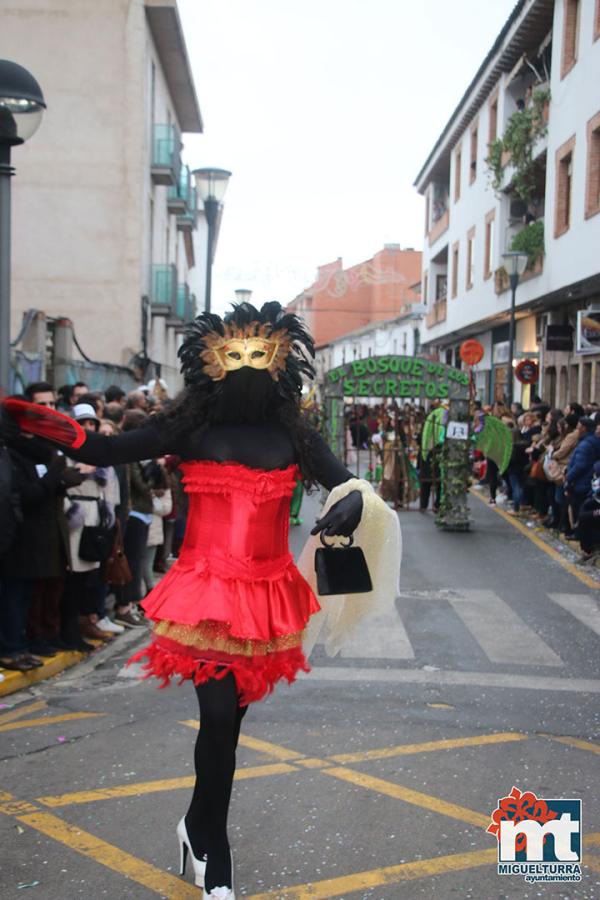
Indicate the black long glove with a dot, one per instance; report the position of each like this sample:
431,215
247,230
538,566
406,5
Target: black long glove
343,517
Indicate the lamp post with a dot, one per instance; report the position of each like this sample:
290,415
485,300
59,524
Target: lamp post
21,109
211,184
515,264
243,295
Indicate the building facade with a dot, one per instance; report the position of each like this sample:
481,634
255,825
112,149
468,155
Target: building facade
342,300
400,336
518,167
107,229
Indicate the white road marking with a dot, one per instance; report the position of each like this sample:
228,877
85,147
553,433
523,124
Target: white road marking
583,606
450,678
380,637
500,632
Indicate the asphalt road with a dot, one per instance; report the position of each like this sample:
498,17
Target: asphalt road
372,777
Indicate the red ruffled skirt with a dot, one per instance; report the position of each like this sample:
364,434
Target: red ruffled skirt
234,601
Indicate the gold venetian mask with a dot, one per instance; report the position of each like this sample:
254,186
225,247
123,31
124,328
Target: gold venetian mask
253,345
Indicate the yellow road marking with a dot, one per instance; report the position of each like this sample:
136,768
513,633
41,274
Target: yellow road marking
49,720
416,798
347,884
575,742
110,856
274,750
427,746
16,807
152,787
535,539
423,868
22,711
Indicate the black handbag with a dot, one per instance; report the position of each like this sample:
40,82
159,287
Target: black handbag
96,541
341,570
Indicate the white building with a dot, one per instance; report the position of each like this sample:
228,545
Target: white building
106,223
399,336
545,44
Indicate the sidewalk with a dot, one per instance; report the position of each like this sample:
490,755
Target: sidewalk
54,665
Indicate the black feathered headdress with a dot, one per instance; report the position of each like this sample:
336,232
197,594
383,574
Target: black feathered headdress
284,332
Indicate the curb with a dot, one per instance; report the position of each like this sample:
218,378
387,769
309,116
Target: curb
54,665
563,552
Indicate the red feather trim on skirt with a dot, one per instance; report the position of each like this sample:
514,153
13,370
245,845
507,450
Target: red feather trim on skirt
255,676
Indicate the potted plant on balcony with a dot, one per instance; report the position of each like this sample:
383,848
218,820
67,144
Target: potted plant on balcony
515,147
529,240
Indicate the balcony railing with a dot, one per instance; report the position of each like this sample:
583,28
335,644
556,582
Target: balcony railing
166,163
185,307
179,195
164,288
437,314
183,301
502,282
188,219
439,227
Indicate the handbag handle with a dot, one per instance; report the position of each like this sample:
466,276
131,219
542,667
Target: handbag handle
333,546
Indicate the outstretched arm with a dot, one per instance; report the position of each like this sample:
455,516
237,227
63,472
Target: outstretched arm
344,516
147,442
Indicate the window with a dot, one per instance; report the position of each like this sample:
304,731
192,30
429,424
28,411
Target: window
592,181
493,129
454,270
457,167
488,261
470,258
441,287
427,212
571,12
564,185
473,156
404,343
425,287
597,21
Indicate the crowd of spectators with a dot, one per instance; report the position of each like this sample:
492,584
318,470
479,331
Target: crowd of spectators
554,473
57,595
553,478
58,592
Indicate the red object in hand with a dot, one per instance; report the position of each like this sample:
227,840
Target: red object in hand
45,422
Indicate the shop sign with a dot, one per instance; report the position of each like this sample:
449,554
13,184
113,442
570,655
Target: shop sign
527,372
588,331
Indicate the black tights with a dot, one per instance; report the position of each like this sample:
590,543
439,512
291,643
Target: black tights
214,761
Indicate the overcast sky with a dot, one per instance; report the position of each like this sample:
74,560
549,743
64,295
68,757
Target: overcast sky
324,110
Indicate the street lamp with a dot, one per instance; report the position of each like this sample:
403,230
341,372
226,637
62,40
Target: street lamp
211,184
515,264
21,109
242,295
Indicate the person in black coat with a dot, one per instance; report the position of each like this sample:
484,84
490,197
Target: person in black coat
37,551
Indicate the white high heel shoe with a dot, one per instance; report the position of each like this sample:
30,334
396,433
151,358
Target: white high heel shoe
185,847
222,892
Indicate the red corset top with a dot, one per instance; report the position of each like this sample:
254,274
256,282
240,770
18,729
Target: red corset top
237,515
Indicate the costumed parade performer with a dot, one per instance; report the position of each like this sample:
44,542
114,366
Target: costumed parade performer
234,615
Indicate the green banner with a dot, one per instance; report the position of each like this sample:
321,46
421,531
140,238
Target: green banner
397,376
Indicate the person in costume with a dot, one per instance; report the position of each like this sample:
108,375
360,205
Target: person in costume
232,613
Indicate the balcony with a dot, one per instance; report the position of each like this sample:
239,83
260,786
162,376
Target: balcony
187,220
166,164
439,227
437,314
179,195
185,307
534,268
164,290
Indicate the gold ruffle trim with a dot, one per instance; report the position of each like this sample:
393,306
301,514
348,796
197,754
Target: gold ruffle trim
215,636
